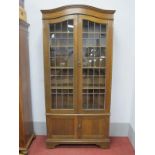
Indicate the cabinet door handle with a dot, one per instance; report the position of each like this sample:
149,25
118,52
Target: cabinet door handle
79,126
79,63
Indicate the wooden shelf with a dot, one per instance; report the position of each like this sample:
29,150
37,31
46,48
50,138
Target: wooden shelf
61,38
60,56
93,87
95,32
67,75
94,57
94,46
58,87
93,93
61,32
62,93
94,75
94,67
61,67
52,46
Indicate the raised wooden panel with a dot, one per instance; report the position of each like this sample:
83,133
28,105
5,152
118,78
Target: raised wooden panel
93,126
61,126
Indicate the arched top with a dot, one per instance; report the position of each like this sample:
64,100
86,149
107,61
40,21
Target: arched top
78,6
77,9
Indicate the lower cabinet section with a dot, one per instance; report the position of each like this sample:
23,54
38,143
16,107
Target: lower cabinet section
78,129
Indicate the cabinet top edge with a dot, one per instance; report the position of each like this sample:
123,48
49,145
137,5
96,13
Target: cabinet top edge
77,7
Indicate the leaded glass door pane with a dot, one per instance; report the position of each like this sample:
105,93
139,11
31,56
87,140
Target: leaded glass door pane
61,53
93,65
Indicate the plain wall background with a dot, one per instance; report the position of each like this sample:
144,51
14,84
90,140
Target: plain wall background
122,99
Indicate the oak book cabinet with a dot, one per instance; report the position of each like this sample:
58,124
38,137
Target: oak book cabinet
77,67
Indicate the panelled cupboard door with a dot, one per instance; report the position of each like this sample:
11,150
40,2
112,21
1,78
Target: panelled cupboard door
60,127
93,127
60,55
94,69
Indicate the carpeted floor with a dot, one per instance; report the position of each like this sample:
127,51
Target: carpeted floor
118,146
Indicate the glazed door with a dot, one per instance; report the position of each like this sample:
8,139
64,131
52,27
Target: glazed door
60,64
93,68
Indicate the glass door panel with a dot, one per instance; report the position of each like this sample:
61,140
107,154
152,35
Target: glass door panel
62,64
93,65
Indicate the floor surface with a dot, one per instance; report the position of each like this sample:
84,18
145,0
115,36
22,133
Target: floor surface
118,146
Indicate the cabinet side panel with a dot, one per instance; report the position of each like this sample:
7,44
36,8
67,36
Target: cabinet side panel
46,66
109,65
25,94
21,127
